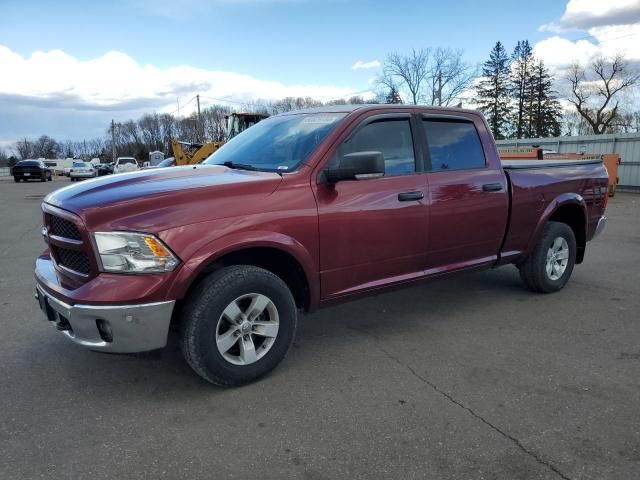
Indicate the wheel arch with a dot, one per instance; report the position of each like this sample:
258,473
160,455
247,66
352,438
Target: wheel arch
279,254
570,209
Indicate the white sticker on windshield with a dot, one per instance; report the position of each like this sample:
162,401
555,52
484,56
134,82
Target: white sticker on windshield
320,119
282,167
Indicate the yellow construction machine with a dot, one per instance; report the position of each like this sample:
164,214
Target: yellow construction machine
189,153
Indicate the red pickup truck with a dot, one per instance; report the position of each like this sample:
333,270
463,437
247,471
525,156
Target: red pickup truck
304,209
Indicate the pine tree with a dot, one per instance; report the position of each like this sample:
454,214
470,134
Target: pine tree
393,96
545,111
493,91
521,86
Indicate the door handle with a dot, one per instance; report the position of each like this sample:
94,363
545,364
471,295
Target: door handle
492,187
410,196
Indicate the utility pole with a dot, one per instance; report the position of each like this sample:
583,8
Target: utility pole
199,121
439,89
113,141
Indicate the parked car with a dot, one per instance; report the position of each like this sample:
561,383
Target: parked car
82,170
302,210
104,169
167,162
125,164
31,170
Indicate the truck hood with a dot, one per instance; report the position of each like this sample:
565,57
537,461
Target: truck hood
157,199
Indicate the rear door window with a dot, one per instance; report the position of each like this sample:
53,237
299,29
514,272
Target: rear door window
453,145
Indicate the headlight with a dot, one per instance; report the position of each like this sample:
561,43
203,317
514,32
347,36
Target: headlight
126,252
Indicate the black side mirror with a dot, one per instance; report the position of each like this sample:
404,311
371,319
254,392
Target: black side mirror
357,166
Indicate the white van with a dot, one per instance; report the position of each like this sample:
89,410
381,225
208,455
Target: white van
125,164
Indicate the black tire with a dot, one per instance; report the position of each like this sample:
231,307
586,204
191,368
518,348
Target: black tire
203,309
16,179
43,178
533,270
49,178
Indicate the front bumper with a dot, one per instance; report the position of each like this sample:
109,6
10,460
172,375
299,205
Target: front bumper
602,222
82,175
110,328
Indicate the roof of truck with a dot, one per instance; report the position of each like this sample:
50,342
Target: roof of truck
377,106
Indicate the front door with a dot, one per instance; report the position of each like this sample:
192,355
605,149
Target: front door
373,232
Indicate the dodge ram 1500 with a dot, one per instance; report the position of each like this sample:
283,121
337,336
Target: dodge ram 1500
301,210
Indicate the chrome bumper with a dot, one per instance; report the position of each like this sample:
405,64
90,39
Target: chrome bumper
602,222
115,329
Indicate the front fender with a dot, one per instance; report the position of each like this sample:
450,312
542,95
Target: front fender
219,247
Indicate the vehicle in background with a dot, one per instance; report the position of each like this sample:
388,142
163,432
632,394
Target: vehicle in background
167,162
125,164
82,170
302,210
104,169
31,170
155,158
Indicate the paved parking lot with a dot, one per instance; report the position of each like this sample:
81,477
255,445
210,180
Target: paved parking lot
468,378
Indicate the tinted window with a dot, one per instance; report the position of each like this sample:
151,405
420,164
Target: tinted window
29,163
392,138
125,161
453,145
78,164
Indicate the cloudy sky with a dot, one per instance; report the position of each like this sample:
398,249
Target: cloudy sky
68,67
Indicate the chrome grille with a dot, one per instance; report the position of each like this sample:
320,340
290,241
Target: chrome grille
74,260
64,228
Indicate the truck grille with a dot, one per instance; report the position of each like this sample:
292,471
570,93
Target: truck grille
74,260
69,246
64,228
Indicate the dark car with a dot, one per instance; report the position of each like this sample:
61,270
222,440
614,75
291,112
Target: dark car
31,170
103,169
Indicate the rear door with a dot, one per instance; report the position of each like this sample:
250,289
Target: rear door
467,193
373,232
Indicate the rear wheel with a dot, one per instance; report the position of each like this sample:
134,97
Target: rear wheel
16,179
237,325
550,265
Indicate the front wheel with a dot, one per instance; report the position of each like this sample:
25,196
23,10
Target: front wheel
550,265
237,325
16,179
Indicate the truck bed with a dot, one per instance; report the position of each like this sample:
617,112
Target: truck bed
537,187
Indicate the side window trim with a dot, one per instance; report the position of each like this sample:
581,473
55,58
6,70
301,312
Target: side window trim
451,119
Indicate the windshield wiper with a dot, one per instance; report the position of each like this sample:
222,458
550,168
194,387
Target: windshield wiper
239,166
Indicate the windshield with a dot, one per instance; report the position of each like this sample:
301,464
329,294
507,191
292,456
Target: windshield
277,143
166,162
124,161
79,164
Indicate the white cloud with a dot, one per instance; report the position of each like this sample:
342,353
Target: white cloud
360,65
609,33
586,14
115,81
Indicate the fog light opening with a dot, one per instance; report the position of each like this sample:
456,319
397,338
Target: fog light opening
104,329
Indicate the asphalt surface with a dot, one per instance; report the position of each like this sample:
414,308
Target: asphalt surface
467,378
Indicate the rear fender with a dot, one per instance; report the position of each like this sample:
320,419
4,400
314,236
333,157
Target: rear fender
553,206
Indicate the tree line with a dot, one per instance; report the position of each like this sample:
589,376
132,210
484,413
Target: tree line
517,93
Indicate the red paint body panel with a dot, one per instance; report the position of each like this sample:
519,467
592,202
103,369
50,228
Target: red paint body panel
350,238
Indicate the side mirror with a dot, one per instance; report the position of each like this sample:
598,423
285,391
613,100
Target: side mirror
357,166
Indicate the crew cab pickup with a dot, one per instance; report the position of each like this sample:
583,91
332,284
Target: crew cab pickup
301,210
